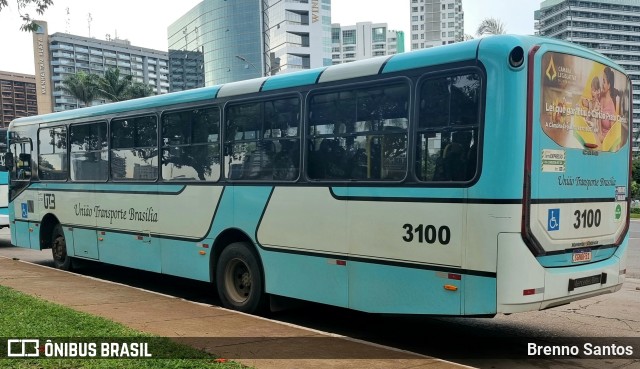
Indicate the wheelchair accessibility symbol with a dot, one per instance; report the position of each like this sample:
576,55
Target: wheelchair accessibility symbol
553,223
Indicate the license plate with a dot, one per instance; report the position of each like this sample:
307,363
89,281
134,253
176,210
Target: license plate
581,256
587,281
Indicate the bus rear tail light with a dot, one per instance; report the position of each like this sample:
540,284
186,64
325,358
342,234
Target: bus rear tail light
532,291
450,287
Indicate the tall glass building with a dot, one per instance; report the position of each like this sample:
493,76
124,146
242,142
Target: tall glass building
611,27
230,35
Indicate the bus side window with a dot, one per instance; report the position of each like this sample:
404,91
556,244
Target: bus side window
448,128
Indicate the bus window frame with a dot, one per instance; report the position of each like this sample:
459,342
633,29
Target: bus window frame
137,114
263,99
161,145
21,141
350,85
69,126
443,73
67,162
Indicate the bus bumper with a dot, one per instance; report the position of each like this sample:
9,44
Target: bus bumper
4,220
525,285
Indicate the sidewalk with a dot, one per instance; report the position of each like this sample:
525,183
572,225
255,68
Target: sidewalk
253,341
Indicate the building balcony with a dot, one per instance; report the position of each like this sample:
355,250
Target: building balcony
61,47
63,55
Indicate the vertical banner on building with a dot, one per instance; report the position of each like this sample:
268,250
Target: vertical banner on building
44,86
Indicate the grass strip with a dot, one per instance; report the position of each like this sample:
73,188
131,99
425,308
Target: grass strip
23,316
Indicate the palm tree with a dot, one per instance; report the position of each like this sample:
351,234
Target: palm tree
114,87
137,90
491,26
82,86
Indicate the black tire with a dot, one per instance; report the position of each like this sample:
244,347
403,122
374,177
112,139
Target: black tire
239,279
61,259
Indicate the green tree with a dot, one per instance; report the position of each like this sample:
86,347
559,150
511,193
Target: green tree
83,86
635,188
491,26
40,7
138,89
113,86
635,170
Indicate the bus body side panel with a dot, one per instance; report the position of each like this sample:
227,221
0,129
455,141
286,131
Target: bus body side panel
378,288
303,239
185,258
406,234
191,258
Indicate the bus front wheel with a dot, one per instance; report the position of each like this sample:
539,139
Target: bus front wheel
61,259
239,279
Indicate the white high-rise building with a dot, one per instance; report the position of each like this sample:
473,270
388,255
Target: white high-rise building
299,35
242,39
363,41
611,27
435,22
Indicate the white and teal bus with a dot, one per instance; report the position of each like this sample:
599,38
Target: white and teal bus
484,177
4,181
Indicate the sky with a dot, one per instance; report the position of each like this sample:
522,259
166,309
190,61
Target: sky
145,22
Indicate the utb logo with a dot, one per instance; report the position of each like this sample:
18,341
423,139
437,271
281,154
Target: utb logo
551,70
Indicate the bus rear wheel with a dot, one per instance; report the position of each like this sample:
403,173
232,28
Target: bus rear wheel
239,279
61,259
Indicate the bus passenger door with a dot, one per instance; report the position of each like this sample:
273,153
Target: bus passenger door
21,211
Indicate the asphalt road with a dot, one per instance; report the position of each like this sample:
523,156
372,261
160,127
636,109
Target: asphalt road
484,343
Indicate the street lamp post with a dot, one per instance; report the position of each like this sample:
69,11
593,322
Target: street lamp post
248,62
265,74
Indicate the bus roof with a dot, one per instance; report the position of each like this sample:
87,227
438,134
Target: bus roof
458,52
